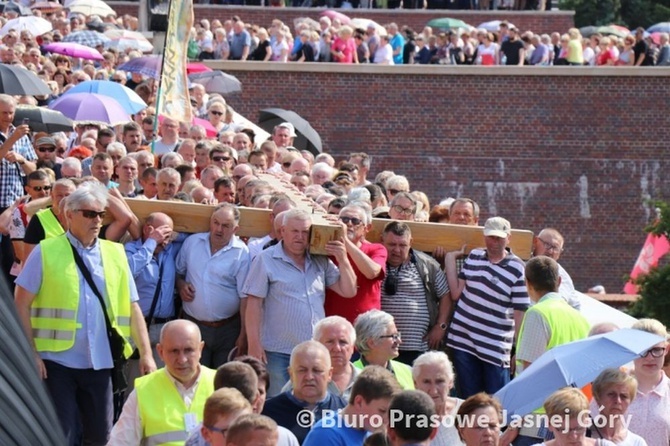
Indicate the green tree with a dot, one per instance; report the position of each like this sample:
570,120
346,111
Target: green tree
654,288
630,13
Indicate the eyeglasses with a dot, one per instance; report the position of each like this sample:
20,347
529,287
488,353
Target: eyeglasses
40,188
401,210
46,149
395,336
217,113
353,220
90,214
549,247
221,158
656,352
220,430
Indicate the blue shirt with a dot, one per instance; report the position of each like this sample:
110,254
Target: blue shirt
397,42
11,182
145,270
91,346
337,433
237,44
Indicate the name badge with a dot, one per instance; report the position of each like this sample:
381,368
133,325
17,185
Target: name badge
190,422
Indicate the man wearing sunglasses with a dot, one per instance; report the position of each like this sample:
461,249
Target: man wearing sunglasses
45,148
367,259
59,298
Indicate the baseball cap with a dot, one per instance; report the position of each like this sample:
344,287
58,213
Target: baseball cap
497,227
45,141
289,126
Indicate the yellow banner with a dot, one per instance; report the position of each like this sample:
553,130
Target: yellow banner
175,102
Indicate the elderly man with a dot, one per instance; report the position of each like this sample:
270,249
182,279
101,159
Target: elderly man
549,242
167,405
169,140
71,168
370,399
240,42
491,299
212,267
45,148
310,371
367,259
168,181
241,141
278,203
415,292
464,211
283,135
286,292
403,206
71,287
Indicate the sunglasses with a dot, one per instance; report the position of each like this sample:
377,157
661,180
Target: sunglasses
90,214
221,158
353,220
217,113
116,80
40,188
287,165
46,149
395,191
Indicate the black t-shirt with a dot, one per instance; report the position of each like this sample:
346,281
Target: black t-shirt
261,51
640,48
511,51
34,232
306,50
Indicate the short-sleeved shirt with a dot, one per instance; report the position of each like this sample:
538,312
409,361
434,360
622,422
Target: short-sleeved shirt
650,414
396,42
293,298
237,44
11,174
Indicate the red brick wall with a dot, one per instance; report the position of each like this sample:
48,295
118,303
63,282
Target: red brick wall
545,22
576,152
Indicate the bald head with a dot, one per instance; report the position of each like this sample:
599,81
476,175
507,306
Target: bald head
179,328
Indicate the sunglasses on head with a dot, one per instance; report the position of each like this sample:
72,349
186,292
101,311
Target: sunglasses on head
46,149
90,214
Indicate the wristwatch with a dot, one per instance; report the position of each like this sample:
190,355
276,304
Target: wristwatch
443,326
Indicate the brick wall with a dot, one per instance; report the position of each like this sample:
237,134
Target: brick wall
579,150
545,22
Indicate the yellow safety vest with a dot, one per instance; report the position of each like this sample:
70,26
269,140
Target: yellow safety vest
54,311
50,224
402,373
162,409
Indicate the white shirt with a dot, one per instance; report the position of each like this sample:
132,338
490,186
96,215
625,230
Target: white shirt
384,54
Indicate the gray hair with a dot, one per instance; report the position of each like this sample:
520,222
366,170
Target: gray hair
71,162
7,99
116,148
87,194
370,326
322,167
436,358
170,156
334,321
361,206
398,182
308,346
232,207
296,214
359,194
169,171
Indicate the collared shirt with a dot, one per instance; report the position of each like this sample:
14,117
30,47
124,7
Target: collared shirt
256,244
91,346
128,430
11,182
293,298
650,414
217,278
145,270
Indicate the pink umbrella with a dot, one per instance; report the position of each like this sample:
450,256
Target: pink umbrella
209,128
332,15
74,50
195,67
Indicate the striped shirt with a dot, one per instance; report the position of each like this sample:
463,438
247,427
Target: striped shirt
408,305
483,323
293,298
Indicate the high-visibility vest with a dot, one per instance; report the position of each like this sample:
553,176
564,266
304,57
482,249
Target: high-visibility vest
162,409
54,311
402,373
50,224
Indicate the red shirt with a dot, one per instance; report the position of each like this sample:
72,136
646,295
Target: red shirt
368,296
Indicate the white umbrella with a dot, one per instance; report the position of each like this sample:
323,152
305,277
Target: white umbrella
492,26
90,7
122,39
36,25
364,23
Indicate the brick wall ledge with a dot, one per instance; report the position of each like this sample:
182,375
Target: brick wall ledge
439,70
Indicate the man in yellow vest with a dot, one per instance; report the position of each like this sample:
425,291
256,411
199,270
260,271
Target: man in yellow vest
167,405
551,321
58,298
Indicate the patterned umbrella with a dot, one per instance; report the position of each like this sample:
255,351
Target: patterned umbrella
146,65
74,50
91,107
36,25
19,81
87,38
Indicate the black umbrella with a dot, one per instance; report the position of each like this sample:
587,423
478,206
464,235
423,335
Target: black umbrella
21,82
588,31
27,415
307,138
217,82
42,119
15,7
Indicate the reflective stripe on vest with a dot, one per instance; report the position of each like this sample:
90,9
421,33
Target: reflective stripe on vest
53,313
50,224
162,409
402,373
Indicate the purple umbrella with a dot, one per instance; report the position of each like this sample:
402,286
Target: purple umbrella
146,65
74,50
91,107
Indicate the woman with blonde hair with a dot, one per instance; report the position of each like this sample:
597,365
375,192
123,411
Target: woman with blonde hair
343,48
574,55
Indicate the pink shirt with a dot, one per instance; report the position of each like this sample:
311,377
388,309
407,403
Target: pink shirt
650,414
348,48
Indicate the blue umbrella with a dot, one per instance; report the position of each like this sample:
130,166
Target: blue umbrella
663,27
575,364
146,65
129,100
90,107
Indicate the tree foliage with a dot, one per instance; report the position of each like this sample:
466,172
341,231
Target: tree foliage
654,287
630,13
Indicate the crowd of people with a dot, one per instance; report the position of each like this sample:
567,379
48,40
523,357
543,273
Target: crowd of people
212,324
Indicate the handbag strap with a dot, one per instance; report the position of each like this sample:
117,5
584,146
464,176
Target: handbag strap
154,301
87,276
